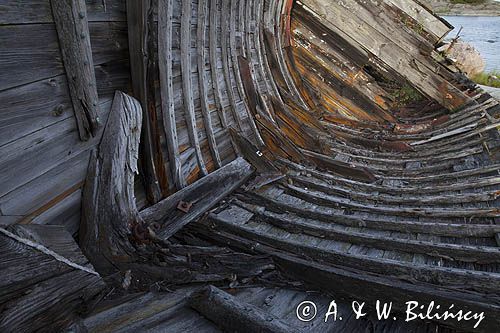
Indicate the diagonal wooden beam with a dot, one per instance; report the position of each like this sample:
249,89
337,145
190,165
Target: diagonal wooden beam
70,17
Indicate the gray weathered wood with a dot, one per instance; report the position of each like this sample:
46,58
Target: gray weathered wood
138,13
203,194
165,36
201,53
187,86
74,40
108,207
234,315
40,265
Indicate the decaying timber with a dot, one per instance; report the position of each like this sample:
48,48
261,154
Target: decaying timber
46,281
272,148
74,38
232,315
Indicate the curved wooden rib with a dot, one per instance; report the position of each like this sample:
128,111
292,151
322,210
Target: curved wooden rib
165,8
207,119
187,86
214,61
226,6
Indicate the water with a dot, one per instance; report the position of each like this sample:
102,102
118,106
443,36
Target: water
483,33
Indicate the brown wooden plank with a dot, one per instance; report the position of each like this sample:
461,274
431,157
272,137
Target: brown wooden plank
201,195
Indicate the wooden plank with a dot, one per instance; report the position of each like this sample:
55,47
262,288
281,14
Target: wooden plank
187,86
165,36
202,195
431,23
138,13
225,13
29,154
108,204
297,225
205,110
39,11
37,289
339,18
437,227
368,287
482,282
74,41
214,61
232,314
108,39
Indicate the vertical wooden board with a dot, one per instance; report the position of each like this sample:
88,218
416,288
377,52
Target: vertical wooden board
165,63
74,42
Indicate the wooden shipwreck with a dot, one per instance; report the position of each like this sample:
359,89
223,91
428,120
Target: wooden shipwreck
203,165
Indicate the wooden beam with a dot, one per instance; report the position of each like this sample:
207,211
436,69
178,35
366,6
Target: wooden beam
138,13
234,315
197,198
108,208
165,11
70,17
187,86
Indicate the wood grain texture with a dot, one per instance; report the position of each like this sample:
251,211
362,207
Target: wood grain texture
108,207
165,10
38,292
187,85
74,40
203,194
234,315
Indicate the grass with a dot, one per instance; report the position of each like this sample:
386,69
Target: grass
486,79
406,95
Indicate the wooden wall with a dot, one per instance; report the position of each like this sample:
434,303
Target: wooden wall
42,160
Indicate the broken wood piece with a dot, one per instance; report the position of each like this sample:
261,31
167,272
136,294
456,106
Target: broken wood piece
203,195
339,167
70,17
108,208
447,134
140,40
40,265
233,315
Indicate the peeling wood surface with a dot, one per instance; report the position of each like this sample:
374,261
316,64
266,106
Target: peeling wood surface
108,207
202,195
74,40
37,289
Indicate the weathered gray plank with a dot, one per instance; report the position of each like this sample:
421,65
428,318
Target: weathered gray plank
187,86
39,267
39,11
108,39
201,54
165,8
203,195
139,26
232,314
108,207
74,41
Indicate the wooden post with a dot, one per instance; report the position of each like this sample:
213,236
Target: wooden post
70,17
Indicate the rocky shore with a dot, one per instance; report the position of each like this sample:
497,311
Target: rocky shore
446,7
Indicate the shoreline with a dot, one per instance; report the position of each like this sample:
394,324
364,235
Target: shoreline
445,8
